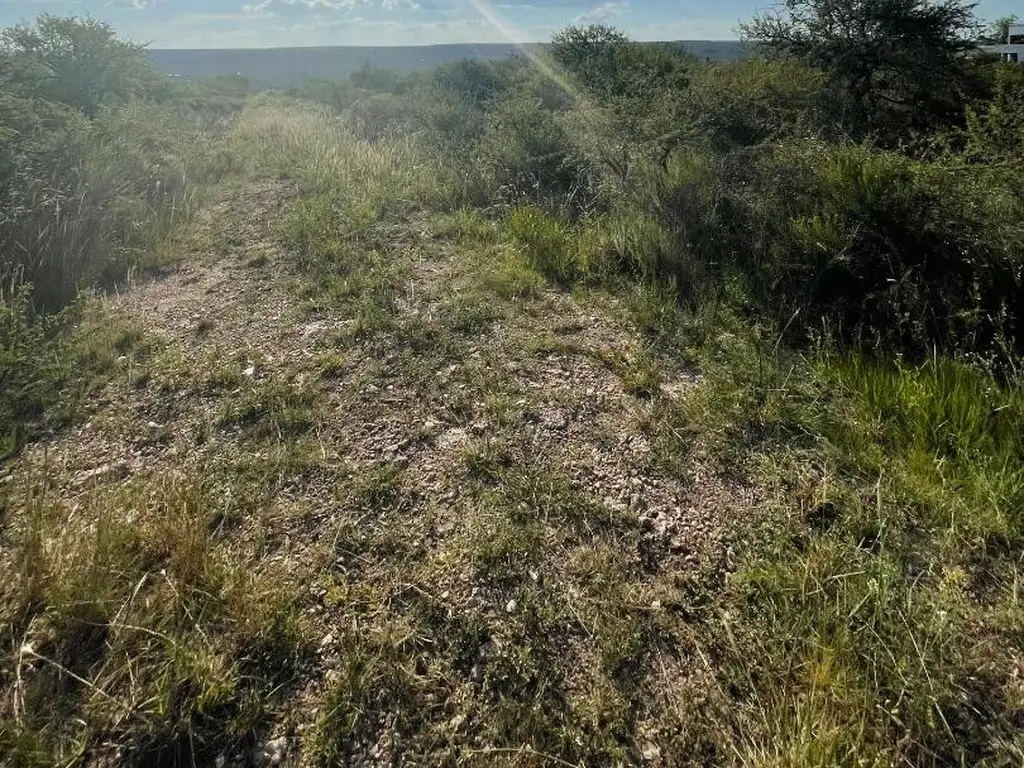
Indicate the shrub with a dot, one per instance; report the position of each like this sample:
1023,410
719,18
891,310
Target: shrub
337,95
743,103
88,172
994,131
78,62
379,116
547,243
887,250
893,67
528,156
81,199
476,83
870,245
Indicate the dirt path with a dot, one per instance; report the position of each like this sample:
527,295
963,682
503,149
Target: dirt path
387,468
233,308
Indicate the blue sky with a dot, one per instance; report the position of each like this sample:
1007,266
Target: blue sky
264,23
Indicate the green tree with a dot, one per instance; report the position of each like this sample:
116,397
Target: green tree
999,30
894,67
641,83
616,69
78,62
995,130
589,52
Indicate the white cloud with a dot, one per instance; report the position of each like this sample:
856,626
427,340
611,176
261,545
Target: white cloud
241,30
257,9
602,13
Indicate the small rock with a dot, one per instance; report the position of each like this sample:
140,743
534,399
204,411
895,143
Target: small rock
118,471
327,641
274,751
650,752
250,371
219,762
510,606
656,605
534,575
488,650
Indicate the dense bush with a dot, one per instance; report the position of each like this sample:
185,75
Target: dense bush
99,157
89,163
78,62
876,247
742,104
892,67
715,175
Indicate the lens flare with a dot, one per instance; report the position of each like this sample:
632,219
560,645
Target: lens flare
511,33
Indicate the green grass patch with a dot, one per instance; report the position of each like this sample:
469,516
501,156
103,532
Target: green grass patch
137,576
876,621
51,365
270,409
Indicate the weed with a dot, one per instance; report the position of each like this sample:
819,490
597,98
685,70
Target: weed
376,491
149,586
546,242
52,366
332,366
640,372
270,409
465,227
471,316
513,278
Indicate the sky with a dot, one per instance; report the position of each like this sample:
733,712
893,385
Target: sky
271,23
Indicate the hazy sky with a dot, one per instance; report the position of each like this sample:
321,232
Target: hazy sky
263,23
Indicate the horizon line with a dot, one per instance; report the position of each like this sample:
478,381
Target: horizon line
425,45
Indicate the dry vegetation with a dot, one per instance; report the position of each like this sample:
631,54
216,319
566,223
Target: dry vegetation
398,458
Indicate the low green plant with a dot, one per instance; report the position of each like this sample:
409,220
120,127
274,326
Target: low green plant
208,641
513,278
547,243
270,409
873,622
50,365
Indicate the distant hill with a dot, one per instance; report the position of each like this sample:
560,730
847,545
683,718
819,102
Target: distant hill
283,67
715,50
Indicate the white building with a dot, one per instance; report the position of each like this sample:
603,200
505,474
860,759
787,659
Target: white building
1013,49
